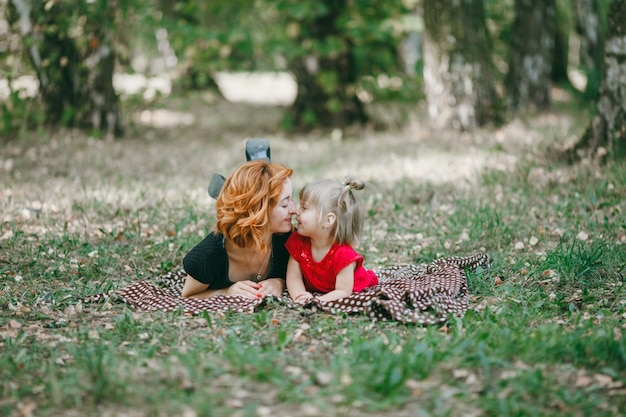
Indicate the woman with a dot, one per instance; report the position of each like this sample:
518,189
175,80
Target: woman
245,255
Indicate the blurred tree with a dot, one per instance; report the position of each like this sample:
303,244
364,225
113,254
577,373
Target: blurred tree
219,35
607,130
529,79
342,53
71,48
562,28
335,49
325,67
591,33
330,46
459,75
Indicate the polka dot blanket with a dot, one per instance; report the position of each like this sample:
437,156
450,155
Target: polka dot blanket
422,294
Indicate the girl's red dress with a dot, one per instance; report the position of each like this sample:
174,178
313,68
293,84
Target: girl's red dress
321,276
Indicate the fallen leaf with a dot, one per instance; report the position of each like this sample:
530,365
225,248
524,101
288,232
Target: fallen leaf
345,379
323,378
582,236
26,410
234,403
460,373
603,380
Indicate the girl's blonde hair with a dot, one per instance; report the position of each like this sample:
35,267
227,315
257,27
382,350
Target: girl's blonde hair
329,196
246,201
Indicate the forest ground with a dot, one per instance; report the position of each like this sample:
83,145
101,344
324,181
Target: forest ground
81,215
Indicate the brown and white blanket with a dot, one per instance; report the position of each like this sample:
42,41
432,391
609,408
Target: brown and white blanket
422,294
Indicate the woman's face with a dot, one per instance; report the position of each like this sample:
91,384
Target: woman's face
280,217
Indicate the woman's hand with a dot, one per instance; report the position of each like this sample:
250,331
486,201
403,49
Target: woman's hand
251,289
272,286
248,289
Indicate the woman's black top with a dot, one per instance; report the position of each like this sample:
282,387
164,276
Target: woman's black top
208,261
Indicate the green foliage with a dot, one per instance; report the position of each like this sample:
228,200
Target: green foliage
577,264
60,44
94,363
19,114
351,44
331,47
203,35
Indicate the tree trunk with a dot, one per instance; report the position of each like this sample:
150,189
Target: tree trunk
458,71
560,60
101,100
606,133
528,81
75,78
326,84
591,36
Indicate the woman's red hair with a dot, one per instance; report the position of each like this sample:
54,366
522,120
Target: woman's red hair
246,201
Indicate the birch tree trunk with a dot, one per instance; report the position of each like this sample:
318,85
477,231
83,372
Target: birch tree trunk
459,75
102,101
75,72
606,133
591,36
529,79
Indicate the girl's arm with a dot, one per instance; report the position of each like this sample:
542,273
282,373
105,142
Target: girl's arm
295,284
343,285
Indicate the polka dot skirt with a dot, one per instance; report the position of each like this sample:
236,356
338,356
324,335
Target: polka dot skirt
422,294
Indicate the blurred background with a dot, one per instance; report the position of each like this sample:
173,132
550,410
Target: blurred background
331,64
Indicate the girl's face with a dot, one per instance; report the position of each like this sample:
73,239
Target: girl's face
280,217
308,219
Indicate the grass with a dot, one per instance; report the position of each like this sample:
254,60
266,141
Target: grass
545,335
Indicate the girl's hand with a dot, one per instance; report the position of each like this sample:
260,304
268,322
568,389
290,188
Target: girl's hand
303,297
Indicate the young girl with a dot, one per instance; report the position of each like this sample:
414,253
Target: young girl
322,258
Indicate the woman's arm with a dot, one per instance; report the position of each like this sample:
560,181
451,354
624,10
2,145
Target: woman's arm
195,289
344,284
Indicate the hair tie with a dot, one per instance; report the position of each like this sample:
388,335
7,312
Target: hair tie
353,184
